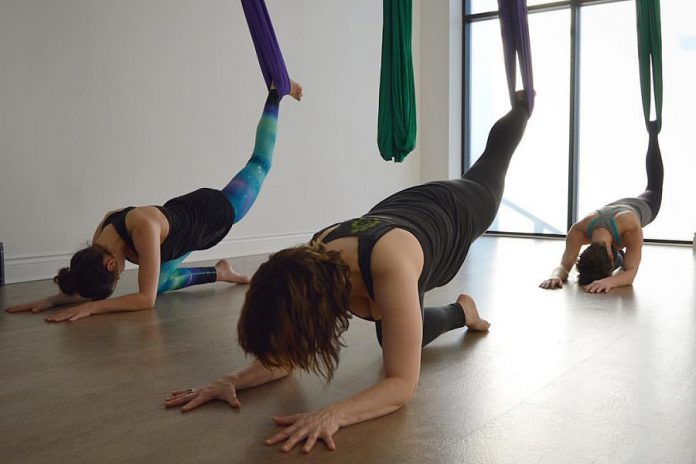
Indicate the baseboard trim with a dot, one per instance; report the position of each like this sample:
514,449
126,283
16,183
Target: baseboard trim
40,267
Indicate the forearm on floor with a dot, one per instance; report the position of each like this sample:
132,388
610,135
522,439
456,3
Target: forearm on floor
622,278
62,299
125,303
381,399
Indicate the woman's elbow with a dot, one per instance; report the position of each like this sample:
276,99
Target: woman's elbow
629,275
412,392
148,301
408,392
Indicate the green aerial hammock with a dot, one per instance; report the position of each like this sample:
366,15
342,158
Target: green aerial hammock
650,53
396,125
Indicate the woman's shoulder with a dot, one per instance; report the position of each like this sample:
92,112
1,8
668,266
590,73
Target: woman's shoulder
398,250
581,225
143,213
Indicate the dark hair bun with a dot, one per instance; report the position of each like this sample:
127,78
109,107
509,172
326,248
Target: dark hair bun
87,275
66,281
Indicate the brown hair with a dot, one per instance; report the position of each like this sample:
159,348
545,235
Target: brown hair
87,276
296,309
593,264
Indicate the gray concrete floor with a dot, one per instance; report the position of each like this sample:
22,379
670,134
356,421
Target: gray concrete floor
562,377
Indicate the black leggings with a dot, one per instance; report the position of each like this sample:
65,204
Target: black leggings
484,183
436,321
491,167
481,187
653,167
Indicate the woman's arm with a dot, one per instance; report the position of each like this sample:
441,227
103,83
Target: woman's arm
225,388
146,239
396,295
633,240
574,240
59,299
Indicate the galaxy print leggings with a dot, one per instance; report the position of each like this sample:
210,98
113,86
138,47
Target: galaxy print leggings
241,192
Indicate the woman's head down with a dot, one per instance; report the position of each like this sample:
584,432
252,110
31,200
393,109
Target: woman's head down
595,263
88,274
296,309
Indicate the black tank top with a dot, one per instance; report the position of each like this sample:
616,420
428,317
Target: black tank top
436,213
368,230
197,221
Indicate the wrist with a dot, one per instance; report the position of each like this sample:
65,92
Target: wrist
93,307
338,414
560,273
230,379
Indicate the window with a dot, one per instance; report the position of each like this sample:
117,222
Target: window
541,187
481,6
536,184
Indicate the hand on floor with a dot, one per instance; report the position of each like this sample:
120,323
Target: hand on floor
34,307
598,286
71,314
554,282
222,389
309,427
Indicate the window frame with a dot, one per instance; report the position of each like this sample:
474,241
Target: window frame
575,7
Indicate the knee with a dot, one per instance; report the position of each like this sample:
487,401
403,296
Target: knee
165,284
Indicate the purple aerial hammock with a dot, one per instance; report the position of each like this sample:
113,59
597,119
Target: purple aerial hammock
514,29
266,45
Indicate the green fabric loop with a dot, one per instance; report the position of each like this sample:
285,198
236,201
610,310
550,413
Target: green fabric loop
650,53
396,123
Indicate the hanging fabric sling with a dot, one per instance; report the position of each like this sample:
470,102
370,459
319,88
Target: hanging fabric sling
514,29
396,122
266,45
650,53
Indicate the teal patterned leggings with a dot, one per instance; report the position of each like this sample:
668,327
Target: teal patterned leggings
241,192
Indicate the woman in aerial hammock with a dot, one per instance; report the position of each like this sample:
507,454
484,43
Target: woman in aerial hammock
376,267
615,234
159,238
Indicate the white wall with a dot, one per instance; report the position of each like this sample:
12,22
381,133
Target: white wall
105,104
441,89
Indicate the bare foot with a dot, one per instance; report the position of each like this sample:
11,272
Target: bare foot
295,90
225,273
473,320
521,98
521,95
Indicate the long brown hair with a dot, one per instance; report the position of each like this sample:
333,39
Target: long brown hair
296,309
